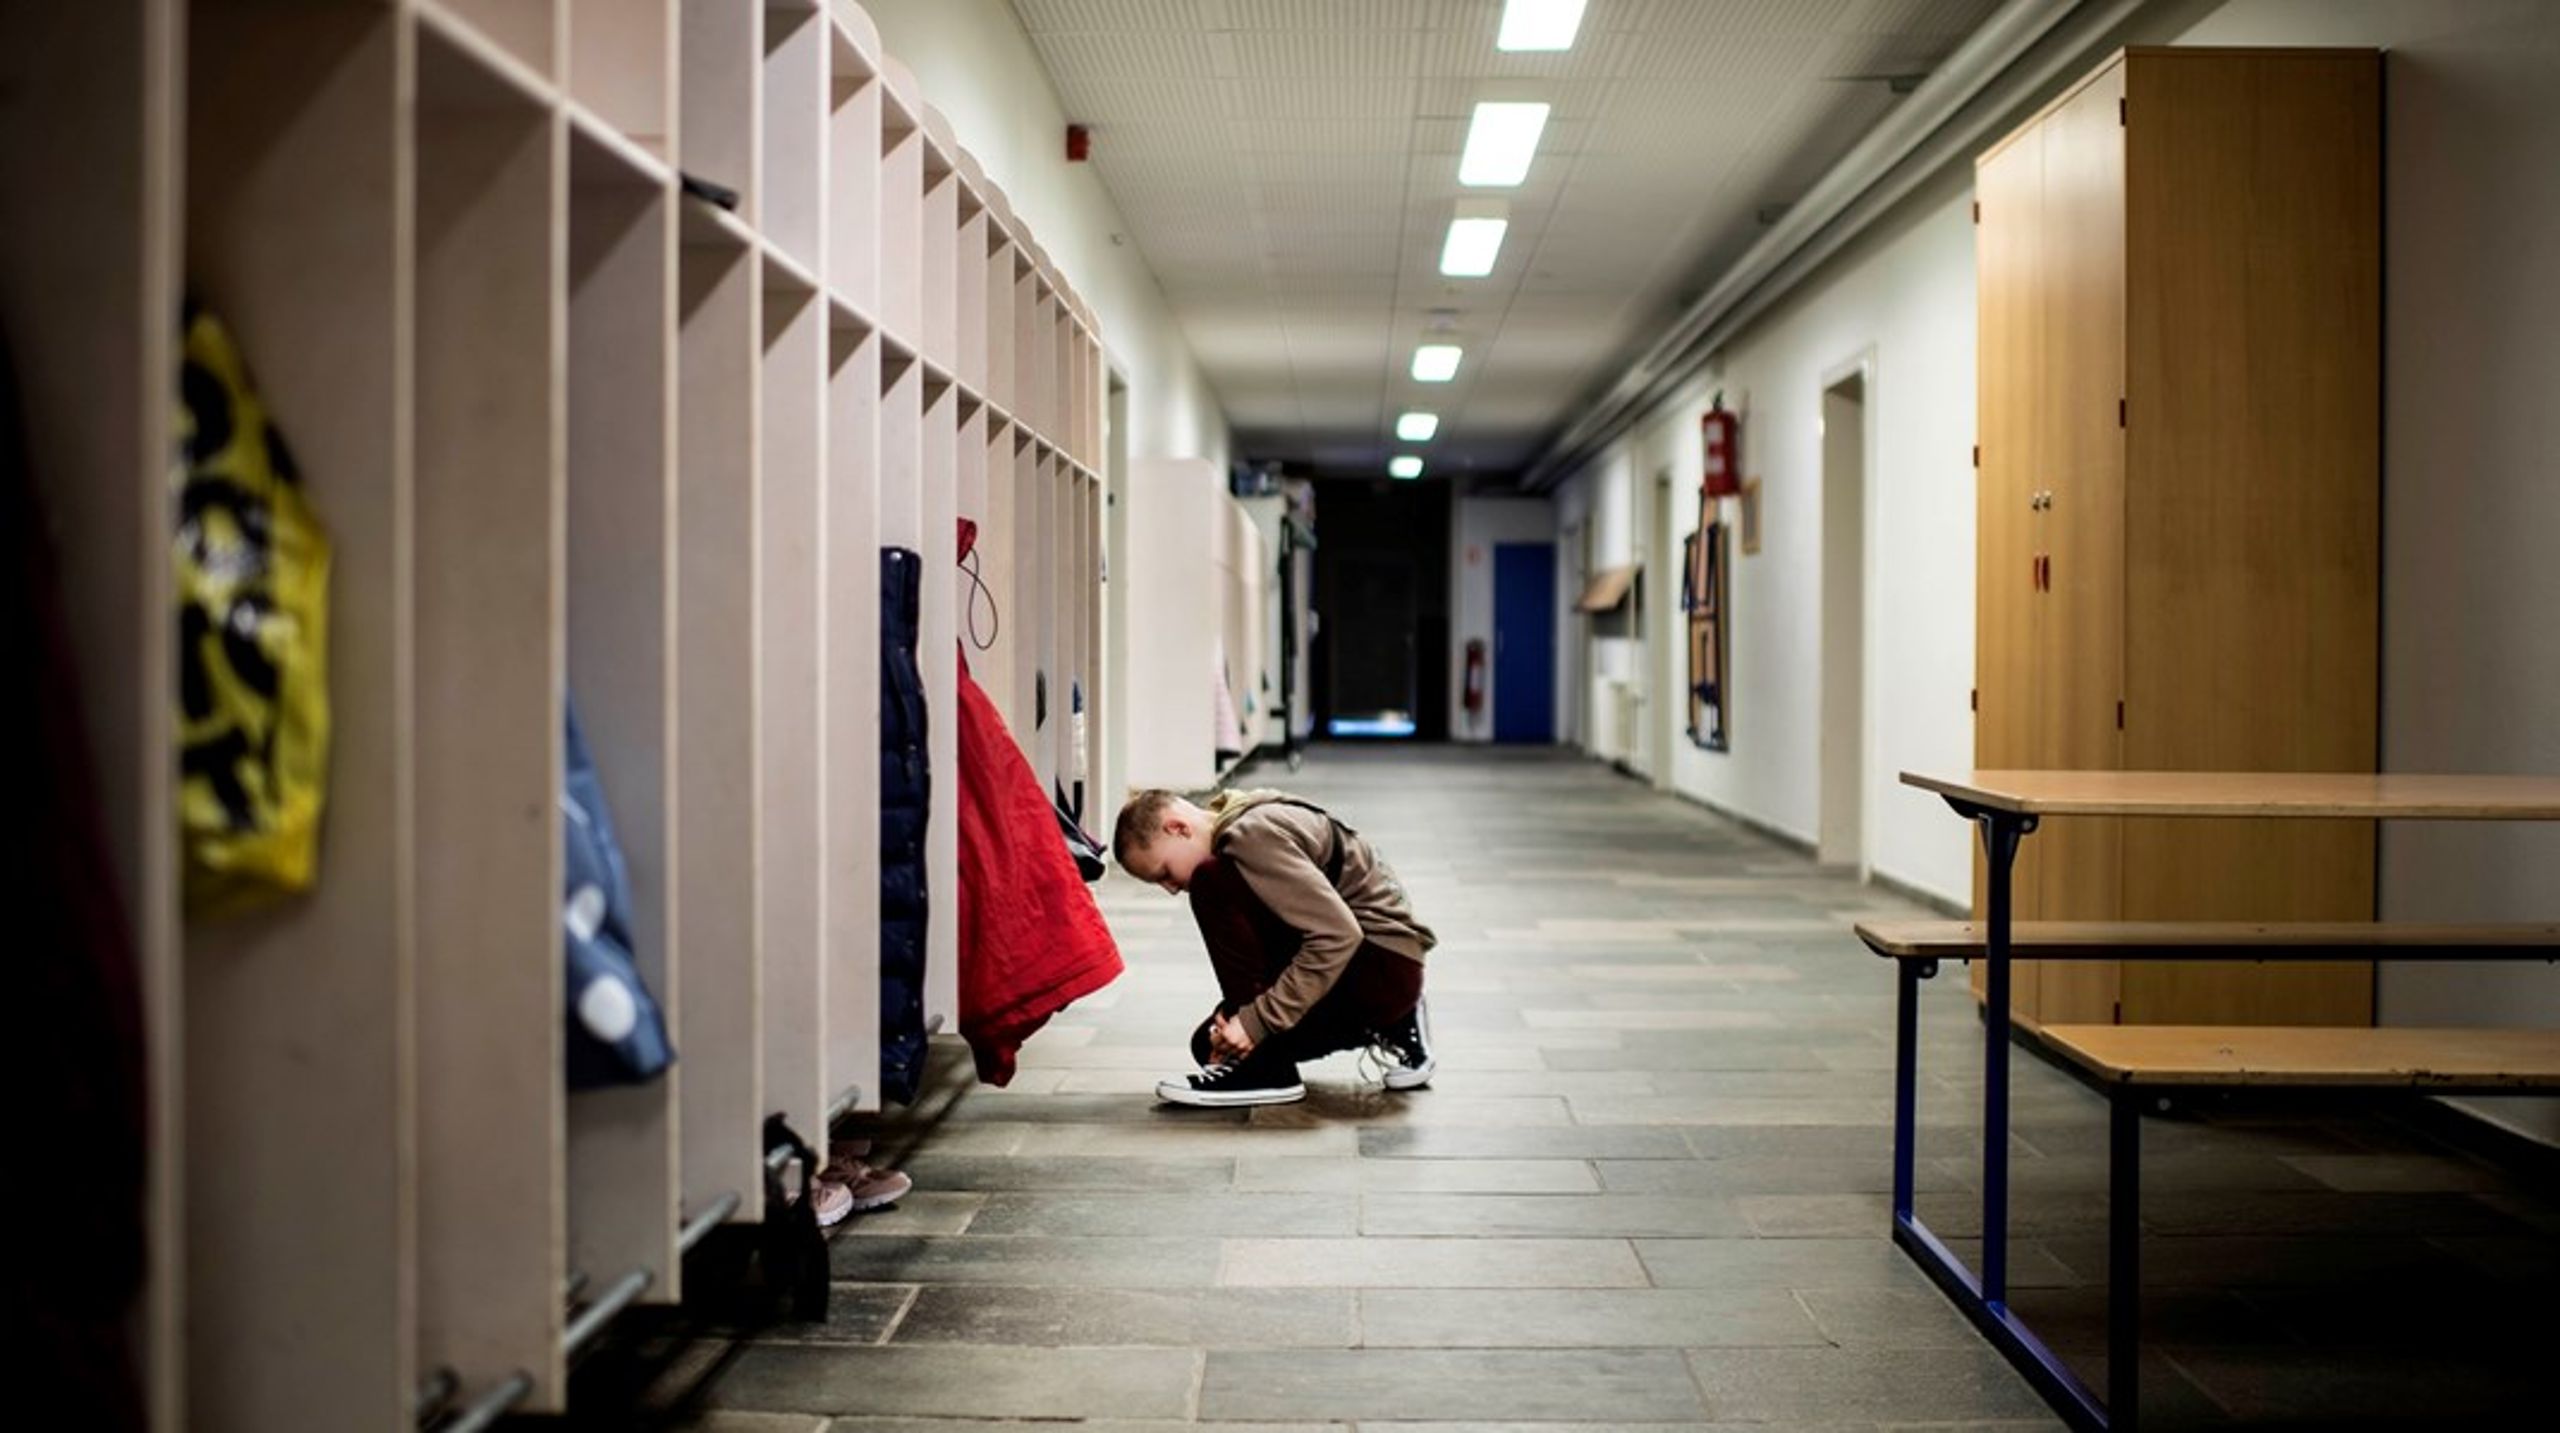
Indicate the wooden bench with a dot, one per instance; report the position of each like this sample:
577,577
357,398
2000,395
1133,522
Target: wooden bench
2133,1062
2207,940
2006,808
2310,1057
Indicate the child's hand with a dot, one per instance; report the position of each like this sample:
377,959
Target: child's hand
1227,1038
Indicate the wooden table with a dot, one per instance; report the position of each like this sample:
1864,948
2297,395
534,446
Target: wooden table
2007,806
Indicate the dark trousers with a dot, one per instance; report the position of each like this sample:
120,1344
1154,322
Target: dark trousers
1249,947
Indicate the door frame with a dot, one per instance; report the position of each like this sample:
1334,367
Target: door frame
1861,365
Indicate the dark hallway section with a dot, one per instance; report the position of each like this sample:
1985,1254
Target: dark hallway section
1382,604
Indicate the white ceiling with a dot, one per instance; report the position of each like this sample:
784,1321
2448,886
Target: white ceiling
1289,168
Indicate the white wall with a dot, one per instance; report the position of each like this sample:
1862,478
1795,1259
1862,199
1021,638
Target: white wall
1177,610
976,65
1476,526
1903,295
2471,662
2471,506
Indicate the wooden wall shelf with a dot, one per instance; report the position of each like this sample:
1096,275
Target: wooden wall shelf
572,432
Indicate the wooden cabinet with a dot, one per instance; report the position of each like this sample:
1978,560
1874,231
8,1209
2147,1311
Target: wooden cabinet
2179,375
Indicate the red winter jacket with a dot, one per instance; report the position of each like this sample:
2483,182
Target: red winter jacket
1032,942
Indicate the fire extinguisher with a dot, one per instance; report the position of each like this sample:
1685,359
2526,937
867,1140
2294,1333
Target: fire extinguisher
1475,677
1723,433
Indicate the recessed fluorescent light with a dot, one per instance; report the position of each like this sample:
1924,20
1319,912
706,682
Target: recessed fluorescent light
1435,363
1539,24
1501,141
1417,427
1472,246
1404,465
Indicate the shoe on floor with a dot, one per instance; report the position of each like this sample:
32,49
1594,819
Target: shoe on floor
832,1202
877,1188
1249,1082
1406,1047
867,1187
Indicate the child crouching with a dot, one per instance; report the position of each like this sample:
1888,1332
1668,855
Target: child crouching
1313,939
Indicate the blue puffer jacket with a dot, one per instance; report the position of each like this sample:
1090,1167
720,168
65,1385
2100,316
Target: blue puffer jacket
616,1036
905,798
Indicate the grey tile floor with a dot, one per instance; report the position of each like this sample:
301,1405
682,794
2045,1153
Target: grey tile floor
1647,1191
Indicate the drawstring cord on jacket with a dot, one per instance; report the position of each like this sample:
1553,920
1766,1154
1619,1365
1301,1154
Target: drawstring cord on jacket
973,565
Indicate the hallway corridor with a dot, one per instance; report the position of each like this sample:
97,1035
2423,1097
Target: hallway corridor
1648,1187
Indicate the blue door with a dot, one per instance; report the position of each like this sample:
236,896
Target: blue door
1524,642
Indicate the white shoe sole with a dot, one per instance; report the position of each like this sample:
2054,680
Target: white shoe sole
1404,1079
864,1205
1177,1092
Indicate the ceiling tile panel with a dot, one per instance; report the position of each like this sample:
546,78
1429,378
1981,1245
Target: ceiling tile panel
1260,97
1044,15
1084,55
1323,134
1330,57
1341,16
1287,168
1746,17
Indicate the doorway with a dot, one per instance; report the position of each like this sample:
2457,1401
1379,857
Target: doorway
1373,647
1524,649
1844,645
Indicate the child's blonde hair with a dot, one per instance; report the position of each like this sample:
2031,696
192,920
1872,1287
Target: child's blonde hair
1141,821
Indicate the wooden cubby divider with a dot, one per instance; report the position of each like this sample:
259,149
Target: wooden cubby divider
969,277
855,116
1000,668
1031,536
788,607
937,657
533,32
1000,295
489,549
846,631
791,188
719,316
623,1193
720,88
939,291
901,220
1099,799
622,68
573,433
300,1021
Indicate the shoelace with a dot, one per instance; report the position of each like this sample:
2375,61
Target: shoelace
1382,1057
1375,1061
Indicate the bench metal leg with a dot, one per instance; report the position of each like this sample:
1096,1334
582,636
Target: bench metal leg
2124,1257
1984,1297
1906,1077
2001,834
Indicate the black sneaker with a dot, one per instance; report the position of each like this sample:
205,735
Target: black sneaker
1251,1082
1406,1047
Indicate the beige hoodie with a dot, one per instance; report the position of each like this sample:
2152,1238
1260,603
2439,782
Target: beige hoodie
1282,849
